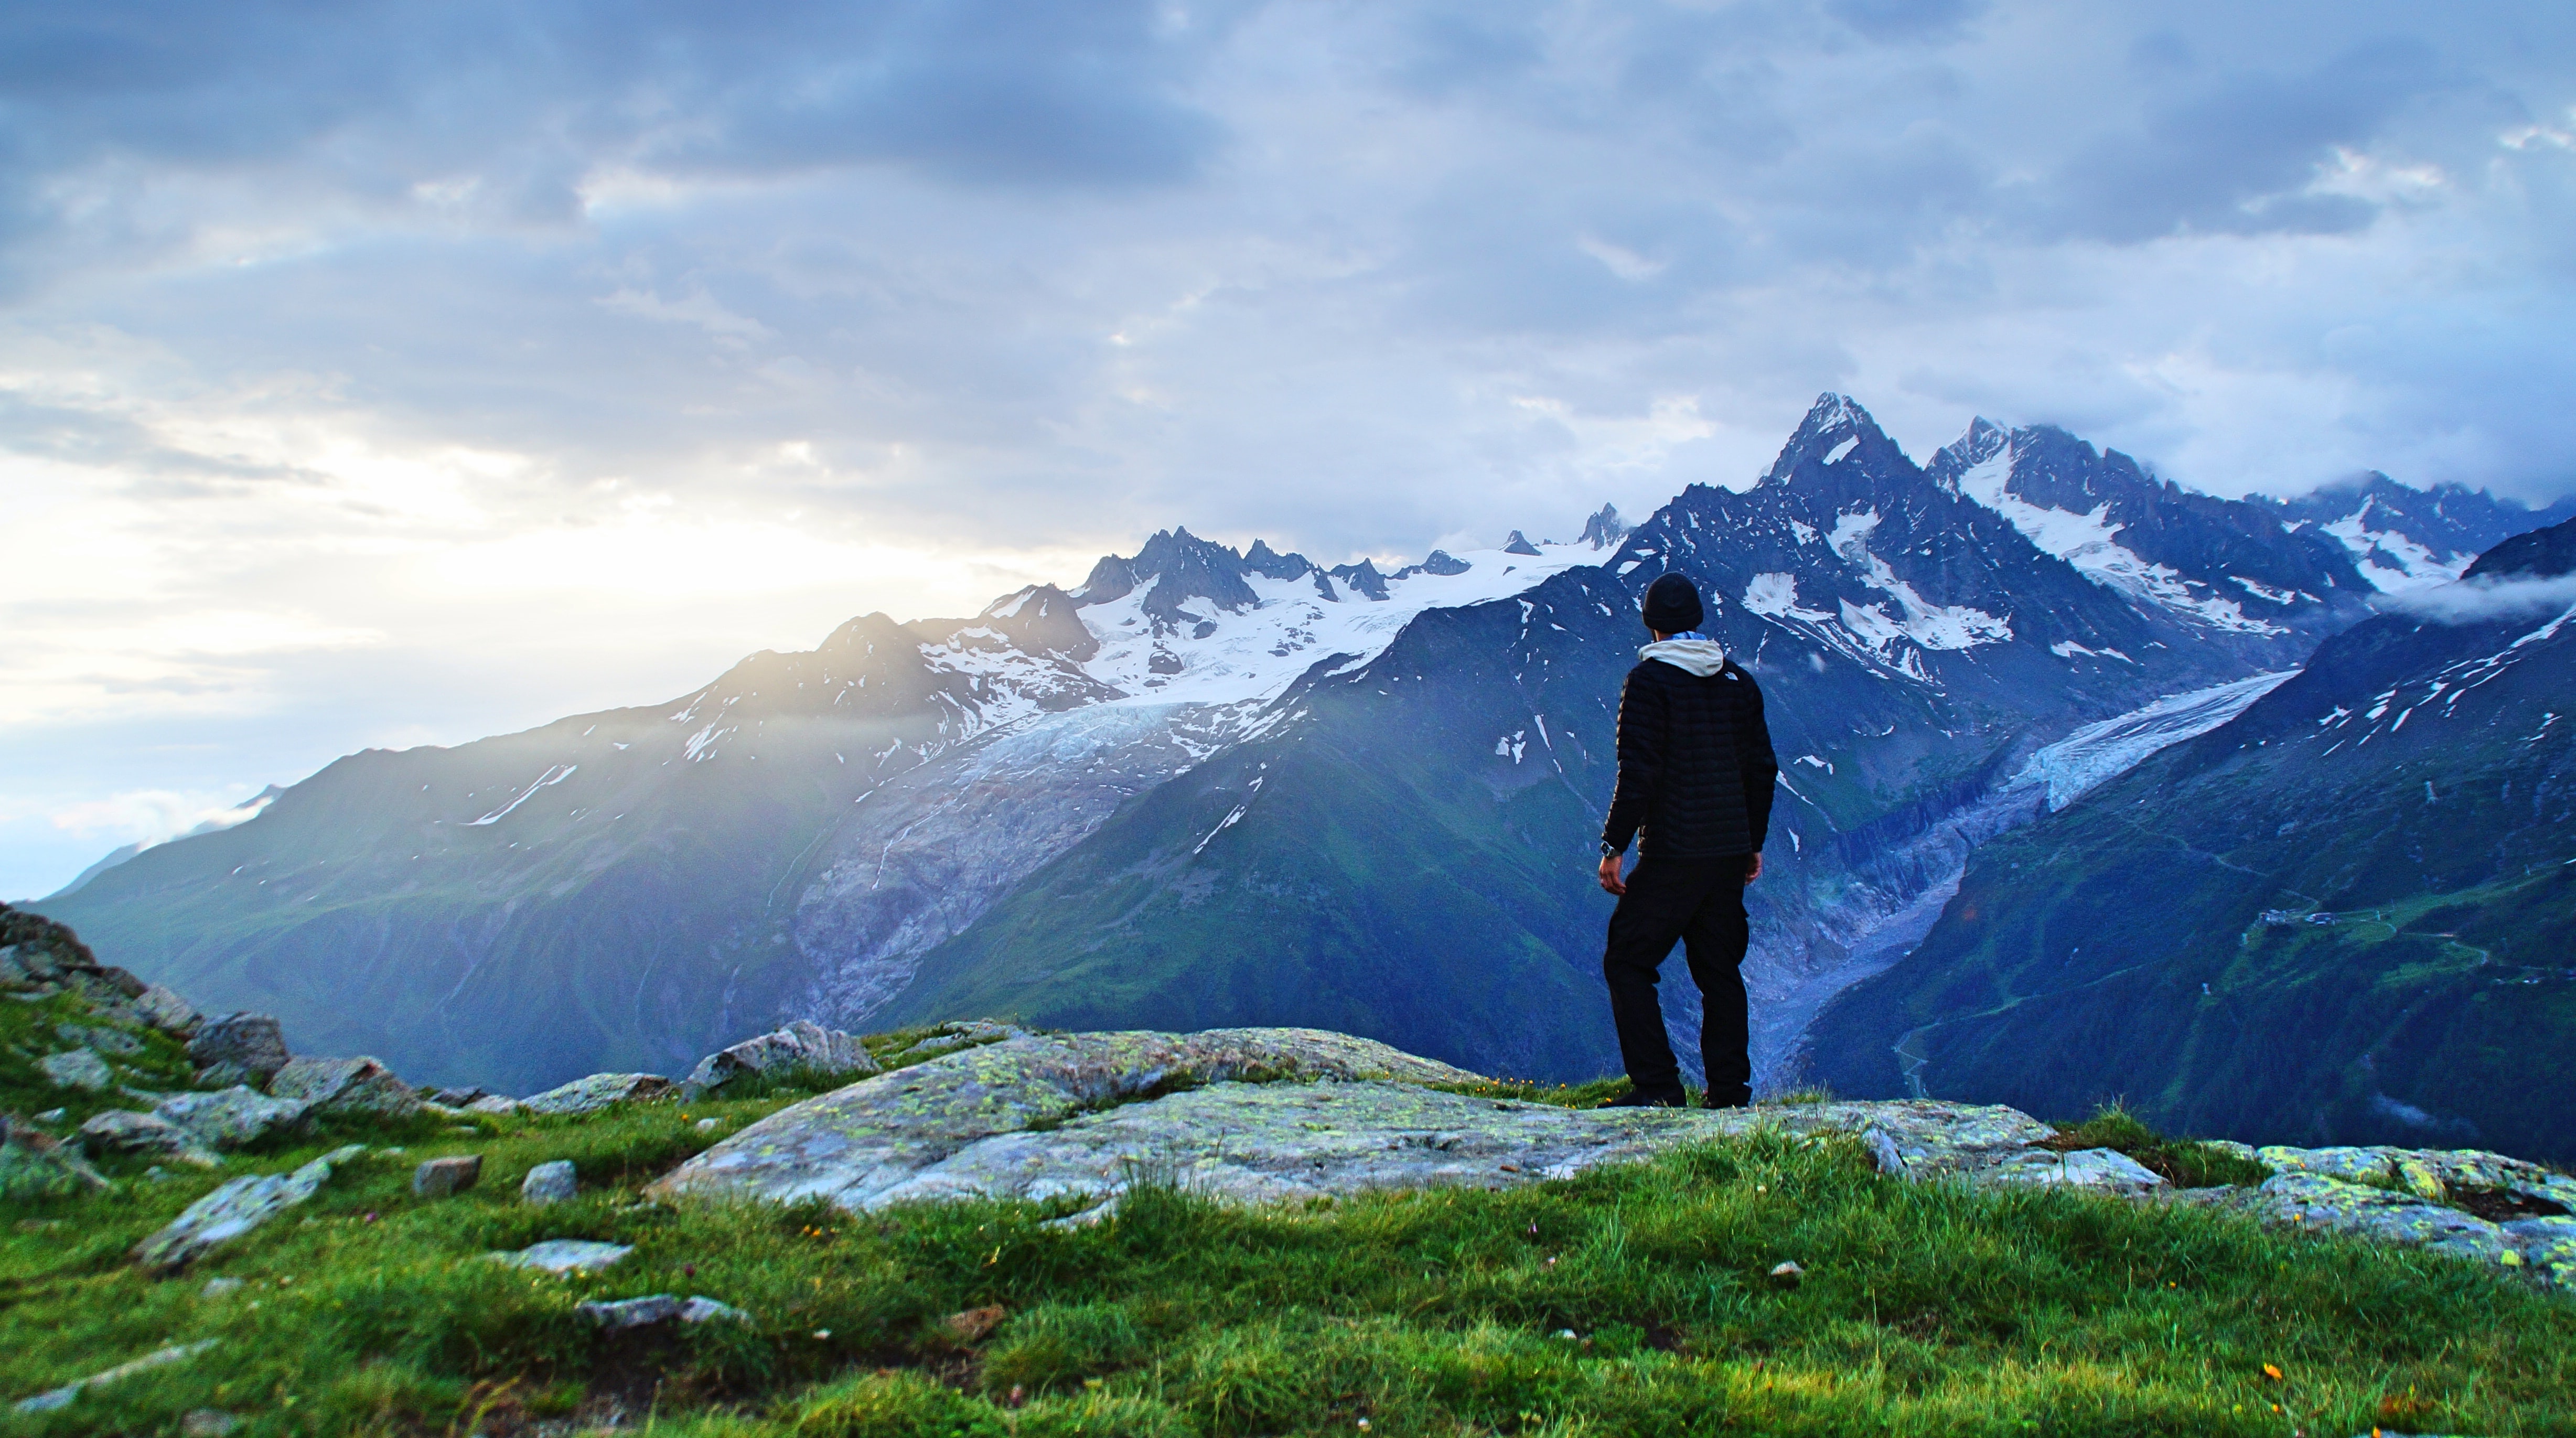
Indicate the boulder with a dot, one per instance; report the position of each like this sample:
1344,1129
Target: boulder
802,1045
166,1011
237,1207
565,1255
359,1085
102,1039
118,1131
34,1164
494,1105
458,1097
79,1068
951,1037
442,1177
2104,1170
230,1118
252,1044
548,1183
589,1095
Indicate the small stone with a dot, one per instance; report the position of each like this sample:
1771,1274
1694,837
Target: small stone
708,1125
252,1042
157,1174
495,1106
565,1255
1788,1272
358,1085
442,1177
973,1325
220,1288
707,1310
612,1315
589,1095
548,1183
208,1423
53,1115
80,1068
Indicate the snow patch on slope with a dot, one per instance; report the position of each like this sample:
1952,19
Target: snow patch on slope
2090,542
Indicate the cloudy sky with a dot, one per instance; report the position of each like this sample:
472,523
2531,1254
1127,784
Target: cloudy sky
384,374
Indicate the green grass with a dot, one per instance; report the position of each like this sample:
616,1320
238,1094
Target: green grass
1924,1309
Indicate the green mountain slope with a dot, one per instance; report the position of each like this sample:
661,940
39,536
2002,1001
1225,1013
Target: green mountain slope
2347,916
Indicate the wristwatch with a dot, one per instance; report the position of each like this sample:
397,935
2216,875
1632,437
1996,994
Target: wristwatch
1612,851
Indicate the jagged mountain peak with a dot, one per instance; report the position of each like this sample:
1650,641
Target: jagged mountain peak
1836,430
1605,529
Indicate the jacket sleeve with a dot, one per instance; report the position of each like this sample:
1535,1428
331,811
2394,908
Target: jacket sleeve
1641,758
1759,767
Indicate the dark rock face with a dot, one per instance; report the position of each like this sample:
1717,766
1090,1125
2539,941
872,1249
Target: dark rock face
1605,529
1519,544
1363,579
252,1043
1269,563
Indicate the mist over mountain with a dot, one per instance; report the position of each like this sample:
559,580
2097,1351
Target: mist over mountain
1207,786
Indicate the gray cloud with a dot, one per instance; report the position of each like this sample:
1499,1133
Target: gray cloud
321,311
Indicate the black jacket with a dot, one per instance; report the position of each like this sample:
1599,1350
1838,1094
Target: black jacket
1695,764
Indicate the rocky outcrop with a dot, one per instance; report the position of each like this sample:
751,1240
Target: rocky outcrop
231,1118
118,1131
1282,1115
359,1085
802,1046
238,1048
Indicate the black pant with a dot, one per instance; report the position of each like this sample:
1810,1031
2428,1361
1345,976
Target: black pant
1701,903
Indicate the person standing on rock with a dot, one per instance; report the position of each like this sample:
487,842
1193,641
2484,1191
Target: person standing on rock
1695,779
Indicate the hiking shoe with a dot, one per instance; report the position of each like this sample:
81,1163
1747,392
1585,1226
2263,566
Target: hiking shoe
1712,1101
1639,1098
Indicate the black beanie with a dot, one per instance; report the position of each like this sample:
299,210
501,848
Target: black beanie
1672,605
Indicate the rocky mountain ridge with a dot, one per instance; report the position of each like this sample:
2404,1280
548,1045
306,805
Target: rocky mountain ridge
1209,786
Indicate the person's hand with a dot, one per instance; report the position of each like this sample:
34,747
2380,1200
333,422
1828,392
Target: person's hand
1610,881
1753,867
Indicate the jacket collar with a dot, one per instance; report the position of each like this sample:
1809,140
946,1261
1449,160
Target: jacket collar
1692,653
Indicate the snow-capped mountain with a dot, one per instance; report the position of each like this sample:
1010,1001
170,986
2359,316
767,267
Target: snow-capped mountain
1209,786
2406,539
2342,917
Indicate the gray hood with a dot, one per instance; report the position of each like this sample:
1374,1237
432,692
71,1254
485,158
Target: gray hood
1702,657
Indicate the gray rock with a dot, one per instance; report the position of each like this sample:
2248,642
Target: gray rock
225,1075
80,1069
707,1310
565,1255
589,1095
802,1045
2102,1169
230,1118
2431,1174
548,1183
251,1042
118,1131
208,1423
104,1040
166,1011
950,1038
495,1106
2547,1246
53,1115
444,1177
220,1288
34,1164
62,1397
235,1208
459,1097
358,1085
614,1314
2333,1205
